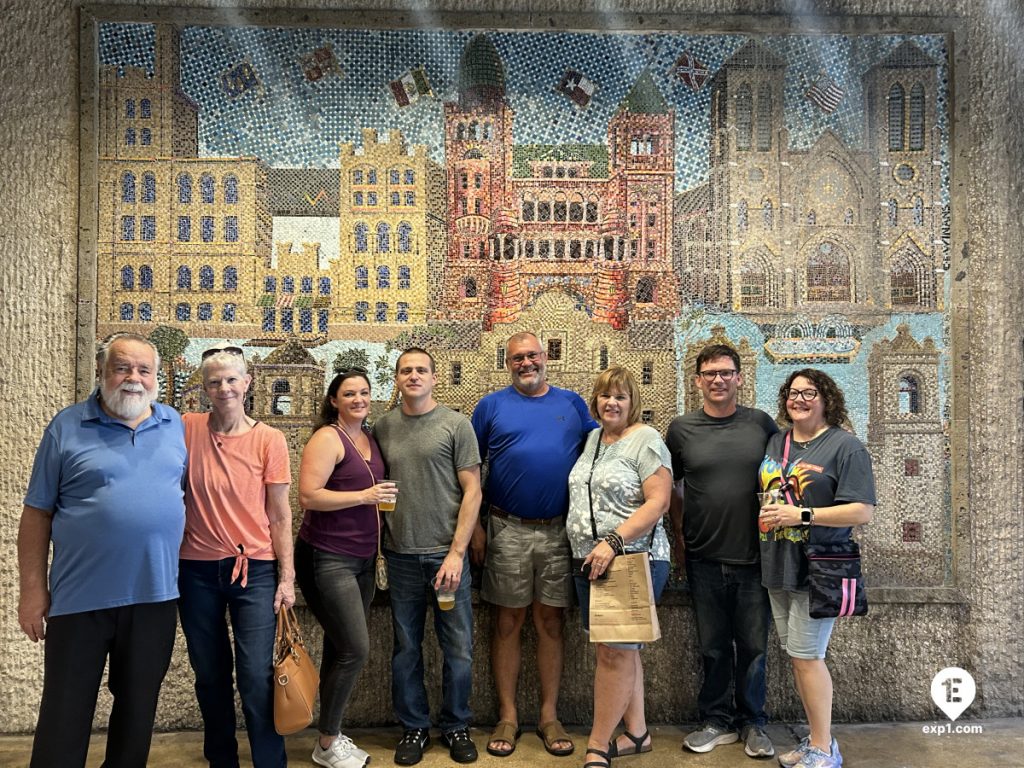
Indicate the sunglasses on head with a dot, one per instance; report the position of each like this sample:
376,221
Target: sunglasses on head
229,350
351,369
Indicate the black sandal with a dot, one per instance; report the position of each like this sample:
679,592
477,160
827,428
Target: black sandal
593,763
638,745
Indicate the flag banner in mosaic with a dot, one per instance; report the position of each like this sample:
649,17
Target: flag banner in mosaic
579,88
239,79
410,87
691,71
825,94
320,62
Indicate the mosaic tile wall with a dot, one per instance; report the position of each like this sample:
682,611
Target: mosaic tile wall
326,196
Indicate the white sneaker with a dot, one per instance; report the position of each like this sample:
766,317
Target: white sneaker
341,754
360,753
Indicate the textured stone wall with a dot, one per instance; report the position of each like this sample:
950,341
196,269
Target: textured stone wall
887,659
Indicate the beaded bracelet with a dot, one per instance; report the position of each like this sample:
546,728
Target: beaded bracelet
615,541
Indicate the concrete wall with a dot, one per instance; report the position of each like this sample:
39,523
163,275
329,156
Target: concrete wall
887,660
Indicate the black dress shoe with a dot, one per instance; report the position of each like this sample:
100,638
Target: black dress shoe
460,746
410,749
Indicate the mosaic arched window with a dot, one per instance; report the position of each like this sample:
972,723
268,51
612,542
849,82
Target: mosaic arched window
227,315
288,284
287,315
741,216
362,277
361,310
410,198
183,312
229,279
305,320
362,237
184,278
764,118
270,284
394,176
148,228
129,137
591,212
184,188
767,214
146,107
231,229
404,237
145,312
127,313
306,284
828,274
357,176
917,117
145,278
396,197
148,188
269,319
910,279
383,237
892,212
127,187
467,288
848,216
281,401
146,136
645,290
897,121
576,208
127,227
744,117
402,312
404,277
325,286
205,312
528,211
206,278
230,190
383,277
602,358
127,278
918,212
322,319
380,314
909,395
129,108
206,188
206,228
753,284
371,176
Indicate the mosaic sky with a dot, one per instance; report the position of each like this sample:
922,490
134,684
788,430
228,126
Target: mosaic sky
290,122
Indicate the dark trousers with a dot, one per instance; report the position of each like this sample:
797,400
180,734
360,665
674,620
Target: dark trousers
732,614
138,639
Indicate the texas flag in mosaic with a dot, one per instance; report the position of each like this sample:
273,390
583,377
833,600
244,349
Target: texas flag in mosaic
691,71
577,87
410,87
825,94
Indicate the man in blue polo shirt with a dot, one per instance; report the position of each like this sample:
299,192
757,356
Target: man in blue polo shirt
106,489
530,434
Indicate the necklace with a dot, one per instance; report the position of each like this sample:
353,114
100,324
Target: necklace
815,436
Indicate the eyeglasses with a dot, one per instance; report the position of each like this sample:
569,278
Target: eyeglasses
807,395
229,350
520,359
725,375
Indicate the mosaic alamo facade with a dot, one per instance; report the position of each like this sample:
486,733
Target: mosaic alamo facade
330,196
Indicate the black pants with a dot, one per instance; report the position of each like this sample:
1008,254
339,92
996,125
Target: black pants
139,640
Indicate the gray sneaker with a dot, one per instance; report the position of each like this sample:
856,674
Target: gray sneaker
708,737
341,754
815,758
794,756
756,742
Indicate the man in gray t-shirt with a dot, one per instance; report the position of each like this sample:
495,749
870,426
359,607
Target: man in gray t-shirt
432,453
716,451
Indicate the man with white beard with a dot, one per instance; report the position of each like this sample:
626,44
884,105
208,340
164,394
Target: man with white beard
106,489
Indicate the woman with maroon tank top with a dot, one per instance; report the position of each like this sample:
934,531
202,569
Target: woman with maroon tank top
340,485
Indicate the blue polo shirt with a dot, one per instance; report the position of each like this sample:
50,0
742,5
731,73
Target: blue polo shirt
117,500
531,444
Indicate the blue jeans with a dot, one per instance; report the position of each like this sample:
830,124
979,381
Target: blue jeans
732,613
206,592
411,585
338,589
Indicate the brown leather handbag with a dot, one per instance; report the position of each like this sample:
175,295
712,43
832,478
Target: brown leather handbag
295,677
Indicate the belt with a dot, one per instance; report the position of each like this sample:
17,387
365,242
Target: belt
499,512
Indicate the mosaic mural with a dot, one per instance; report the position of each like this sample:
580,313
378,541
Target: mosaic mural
325,197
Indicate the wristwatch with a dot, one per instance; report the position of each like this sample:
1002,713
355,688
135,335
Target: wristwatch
807,516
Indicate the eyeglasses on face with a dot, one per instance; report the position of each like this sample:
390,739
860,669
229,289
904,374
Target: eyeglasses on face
807,395
520,359
725,375
230,350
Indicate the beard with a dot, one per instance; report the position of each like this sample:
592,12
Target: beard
124,401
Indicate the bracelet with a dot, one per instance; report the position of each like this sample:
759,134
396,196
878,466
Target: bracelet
615,541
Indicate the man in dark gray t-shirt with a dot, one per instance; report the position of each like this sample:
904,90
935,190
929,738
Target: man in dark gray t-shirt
716,452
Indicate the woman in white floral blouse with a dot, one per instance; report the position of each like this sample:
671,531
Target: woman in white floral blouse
618,493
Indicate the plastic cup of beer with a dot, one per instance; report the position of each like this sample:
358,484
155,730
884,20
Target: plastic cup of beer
445,599
771,496
389,506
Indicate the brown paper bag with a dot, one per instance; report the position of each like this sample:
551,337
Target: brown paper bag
622,608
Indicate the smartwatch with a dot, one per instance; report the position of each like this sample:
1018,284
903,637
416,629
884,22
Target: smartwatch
807,516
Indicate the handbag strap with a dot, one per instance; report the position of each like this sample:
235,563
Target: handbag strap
590,493
787,486
373,481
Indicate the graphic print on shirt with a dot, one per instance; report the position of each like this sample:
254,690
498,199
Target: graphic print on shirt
799,478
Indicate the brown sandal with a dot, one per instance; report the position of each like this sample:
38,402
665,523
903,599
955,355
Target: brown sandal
506,731
551,732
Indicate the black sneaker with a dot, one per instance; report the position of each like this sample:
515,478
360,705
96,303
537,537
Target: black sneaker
460,746
410,749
